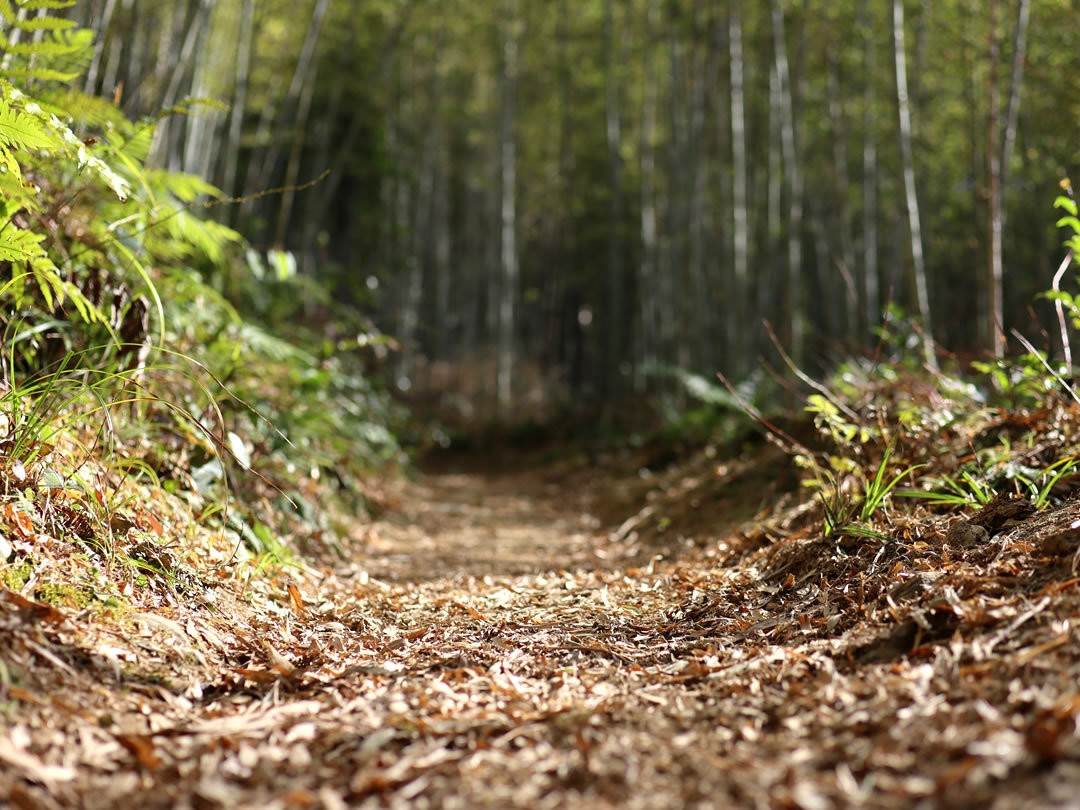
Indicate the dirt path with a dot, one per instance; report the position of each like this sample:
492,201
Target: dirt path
495,650
453,523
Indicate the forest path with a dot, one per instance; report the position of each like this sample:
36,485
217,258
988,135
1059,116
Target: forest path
499,645
450,523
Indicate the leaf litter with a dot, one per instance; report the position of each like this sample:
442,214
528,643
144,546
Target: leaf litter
569,634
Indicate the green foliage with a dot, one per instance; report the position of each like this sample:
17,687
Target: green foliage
829,418
1018,381
112,282
721,412
964,490
968,490
1070,222
1041,485
847,515
54,51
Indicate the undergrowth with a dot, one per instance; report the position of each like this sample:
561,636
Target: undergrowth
146,372
895,439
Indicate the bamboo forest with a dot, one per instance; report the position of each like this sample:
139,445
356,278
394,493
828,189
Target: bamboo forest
537,404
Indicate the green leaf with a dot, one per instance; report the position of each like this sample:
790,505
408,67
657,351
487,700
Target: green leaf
46,24
1070,221
44,48
42,74
19,130
239,451
38,5
1067,203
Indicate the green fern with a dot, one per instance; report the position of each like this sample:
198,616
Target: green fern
54,52
69,103
20,130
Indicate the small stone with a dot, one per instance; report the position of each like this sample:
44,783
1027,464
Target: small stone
966,534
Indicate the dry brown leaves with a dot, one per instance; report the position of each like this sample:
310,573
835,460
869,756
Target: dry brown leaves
495,649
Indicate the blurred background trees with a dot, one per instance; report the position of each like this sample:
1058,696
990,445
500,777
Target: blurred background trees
547,202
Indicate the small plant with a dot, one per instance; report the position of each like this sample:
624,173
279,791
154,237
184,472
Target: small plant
1041,486
829,419
1019,380
845,516
965,490
1064,302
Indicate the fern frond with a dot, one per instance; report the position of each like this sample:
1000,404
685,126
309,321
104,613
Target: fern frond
77,61
201,236
133,144
42,74
46,24
46,48
9,166
15,192
19,130
261,342
184,187
56,290
67,103
38,5
86,159
18,245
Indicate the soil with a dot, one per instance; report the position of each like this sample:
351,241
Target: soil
579,632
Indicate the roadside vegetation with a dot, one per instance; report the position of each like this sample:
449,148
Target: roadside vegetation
169,412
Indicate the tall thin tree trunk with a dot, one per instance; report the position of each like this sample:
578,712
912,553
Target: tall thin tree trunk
440,226
737,323
841,231
101,25
301,76
472,284
613,115
771,290
673,297
168,134
116,51
795,314
871,295
647,270
359,119
296,150
555,330
239,101
1008,142
324,136
994,330
136,67
508,209
698,317
199,130
918,263
198,19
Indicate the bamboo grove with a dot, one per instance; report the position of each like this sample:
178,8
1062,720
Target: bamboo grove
545,199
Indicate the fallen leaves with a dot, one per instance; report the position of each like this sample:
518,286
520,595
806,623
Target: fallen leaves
13,752
33,611
466,668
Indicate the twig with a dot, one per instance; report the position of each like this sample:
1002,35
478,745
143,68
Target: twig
884,332
798,372
756,414
1056,285
1049,368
